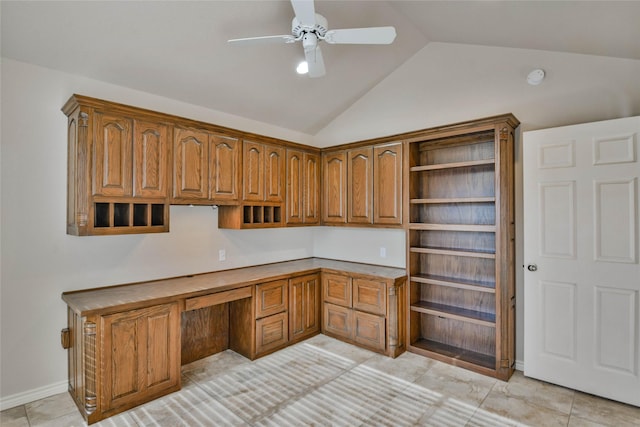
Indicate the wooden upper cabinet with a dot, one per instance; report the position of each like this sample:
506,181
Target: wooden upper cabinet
263,172
112,155
190,165
387,184
334,166
303,187
151,159
311,188
225,168
274,173
295,182
253,171
360,185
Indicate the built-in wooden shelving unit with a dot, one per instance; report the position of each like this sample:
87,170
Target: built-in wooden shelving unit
460,252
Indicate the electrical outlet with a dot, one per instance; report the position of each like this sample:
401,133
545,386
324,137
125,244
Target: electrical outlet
383,252
222,255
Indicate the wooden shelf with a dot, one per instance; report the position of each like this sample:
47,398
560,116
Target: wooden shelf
457,313
453,227
455,353
454,252
453,165
470,285
453,200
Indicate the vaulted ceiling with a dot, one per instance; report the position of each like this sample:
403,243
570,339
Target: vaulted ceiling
178,49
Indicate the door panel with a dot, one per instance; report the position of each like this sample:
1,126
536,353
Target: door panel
225,168
112,156
360,186
150,159
581,231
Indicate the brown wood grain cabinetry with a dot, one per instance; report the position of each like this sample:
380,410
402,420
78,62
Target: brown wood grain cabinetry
272,322
263,181
461,244
118,166
205,167
303,187
360,186
190,165
141,357
126,343
304,306
364,310
334,188
387,184
363,186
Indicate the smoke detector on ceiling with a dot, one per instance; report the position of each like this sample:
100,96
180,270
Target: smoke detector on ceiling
535,77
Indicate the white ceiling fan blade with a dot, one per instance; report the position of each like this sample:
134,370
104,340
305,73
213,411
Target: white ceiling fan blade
264,40
314,59
372,35
305,12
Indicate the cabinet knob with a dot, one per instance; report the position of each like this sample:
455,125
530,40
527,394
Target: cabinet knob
532,267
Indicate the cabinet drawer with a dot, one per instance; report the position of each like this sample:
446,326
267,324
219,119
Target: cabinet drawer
336,289
369,296
369,330
338,320
271,298
217,298
272,332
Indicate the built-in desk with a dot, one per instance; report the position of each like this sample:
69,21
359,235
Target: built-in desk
126,343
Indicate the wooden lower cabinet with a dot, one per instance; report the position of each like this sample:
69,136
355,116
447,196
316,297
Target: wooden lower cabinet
337,321
369,330
122,360
272,321
124,354
366,311
304,307
272,333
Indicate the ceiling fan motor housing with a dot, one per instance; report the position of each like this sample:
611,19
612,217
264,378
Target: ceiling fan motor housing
298,29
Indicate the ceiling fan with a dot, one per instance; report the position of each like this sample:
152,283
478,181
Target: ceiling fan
311,28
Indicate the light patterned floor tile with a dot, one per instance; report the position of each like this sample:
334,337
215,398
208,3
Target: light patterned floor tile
46,410
14,417
459,384
605,412
539,393
520,411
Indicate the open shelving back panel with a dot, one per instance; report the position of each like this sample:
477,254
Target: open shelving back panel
452,249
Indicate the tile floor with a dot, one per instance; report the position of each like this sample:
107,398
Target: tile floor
324,382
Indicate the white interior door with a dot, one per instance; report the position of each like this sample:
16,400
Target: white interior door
581,205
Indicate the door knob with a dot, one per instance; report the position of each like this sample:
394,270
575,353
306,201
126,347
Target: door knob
532,267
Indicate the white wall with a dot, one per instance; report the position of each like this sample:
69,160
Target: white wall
39,261
361,245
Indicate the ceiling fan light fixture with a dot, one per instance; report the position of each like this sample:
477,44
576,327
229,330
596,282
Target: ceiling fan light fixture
302,68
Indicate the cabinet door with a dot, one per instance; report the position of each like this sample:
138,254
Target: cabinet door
387,184
253,171
141,355
369,330
335,187
295,183
225,168
191,165
274,172
360,185
151,159
304,306
271,298
337,320
311,188
369,295
336,289
112,155
271,332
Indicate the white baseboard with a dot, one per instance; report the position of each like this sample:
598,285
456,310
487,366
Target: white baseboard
33,395
520,365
